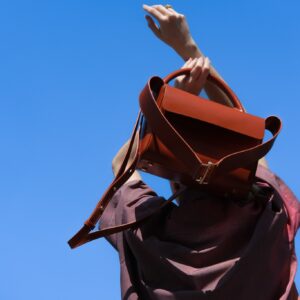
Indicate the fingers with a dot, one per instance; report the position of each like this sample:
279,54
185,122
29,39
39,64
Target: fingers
206,67
184,77
194,82
153,12
197,68
204,73
200,67
166,10
172,11
158,11
170,27
153,26
163,10
187,64
195,65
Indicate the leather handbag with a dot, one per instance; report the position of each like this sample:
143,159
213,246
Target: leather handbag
189,139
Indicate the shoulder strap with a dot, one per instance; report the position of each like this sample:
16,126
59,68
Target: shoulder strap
84,235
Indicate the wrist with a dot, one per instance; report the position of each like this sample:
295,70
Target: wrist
189,50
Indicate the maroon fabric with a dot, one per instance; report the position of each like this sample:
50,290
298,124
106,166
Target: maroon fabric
207,248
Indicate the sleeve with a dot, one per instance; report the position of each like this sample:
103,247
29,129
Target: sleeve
289,199
133,201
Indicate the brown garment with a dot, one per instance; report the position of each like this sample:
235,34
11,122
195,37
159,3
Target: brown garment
207,248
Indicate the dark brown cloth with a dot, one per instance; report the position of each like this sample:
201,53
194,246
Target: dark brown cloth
207,248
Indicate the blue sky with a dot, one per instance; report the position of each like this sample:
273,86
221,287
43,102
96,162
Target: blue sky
70,76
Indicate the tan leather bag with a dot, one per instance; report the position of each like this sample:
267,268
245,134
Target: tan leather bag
183,137
189,139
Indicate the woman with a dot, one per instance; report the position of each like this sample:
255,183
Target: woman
205,248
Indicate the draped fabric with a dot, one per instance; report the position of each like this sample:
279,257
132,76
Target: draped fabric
207,247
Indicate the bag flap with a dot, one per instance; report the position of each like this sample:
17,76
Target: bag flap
180,102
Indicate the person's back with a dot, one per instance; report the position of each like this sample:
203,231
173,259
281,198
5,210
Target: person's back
206,248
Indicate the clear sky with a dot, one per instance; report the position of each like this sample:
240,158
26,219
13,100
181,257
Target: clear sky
70,76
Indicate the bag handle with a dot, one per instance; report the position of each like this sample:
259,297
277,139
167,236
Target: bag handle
213,79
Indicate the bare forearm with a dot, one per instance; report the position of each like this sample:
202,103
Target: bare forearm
119,158
116,167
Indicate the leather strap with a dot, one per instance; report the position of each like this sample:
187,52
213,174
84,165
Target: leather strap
245,157
83,235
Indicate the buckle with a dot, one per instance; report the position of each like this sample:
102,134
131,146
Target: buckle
207,172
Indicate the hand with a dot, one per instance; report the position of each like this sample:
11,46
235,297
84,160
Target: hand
173,29
194,82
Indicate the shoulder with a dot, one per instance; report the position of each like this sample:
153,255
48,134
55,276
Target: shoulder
134,200
289,199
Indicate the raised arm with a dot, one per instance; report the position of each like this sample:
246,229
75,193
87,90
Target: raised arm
172,28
